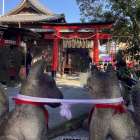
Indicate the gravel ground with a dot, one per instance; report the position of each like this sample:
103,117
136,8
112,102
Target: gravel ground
72,89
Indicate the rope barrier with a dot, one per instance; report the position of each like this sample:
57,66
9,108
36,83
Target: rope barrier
75,37
69,101
89,37
65,111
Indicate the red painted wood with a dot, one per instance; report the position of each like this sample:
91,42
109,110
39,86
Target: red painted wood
2,42
104,36
78,26
55,55
96,48
90,36
75,27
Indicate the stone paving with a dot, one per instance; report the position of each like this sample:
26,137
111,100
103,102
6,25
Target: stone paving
72,89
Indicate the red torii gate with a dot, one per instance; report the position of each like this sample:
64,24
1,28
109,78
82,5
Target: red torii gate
75,27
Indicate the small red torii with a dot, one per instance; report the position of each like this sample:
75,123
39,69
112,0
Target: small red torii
75,27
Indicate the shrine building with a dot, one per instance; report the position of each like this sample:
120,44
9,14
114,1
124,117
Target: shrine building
69,45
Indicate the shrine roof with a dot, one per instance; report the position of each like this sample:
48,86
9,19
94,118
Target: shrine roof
30,11
30,18
34,4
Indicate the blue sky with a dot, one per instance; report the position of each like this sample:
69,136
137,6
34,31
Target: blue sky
68,7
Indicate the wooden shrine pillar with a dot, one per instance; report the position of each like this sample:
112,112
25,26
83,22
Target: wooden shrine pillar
96,49
18,40
55,54
2,42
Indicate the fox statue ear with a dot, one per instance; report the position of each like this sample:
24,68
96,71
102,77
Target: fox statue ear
37,69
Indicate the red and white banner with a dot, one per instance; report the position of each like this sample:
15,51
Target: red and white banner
65,107
69,101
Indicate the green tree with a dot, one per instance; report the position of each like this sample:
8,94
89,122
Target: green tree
124,13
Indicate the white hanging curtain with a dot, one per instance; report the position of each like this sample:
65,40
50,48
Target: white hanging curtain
77,43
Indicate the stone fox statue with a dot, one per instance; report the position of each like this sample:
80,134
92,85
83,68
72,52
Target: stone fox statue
4,105
27,121
106,121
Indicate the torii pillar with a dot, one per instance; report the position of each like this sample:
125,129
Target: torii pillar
55,54
95,58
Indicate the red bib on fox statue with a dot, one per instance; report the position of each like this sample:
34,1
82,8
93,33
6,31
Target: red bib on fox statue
118,108
20,102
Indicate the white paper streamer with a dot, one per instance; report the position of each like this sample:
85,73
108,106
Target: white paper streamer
65,111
